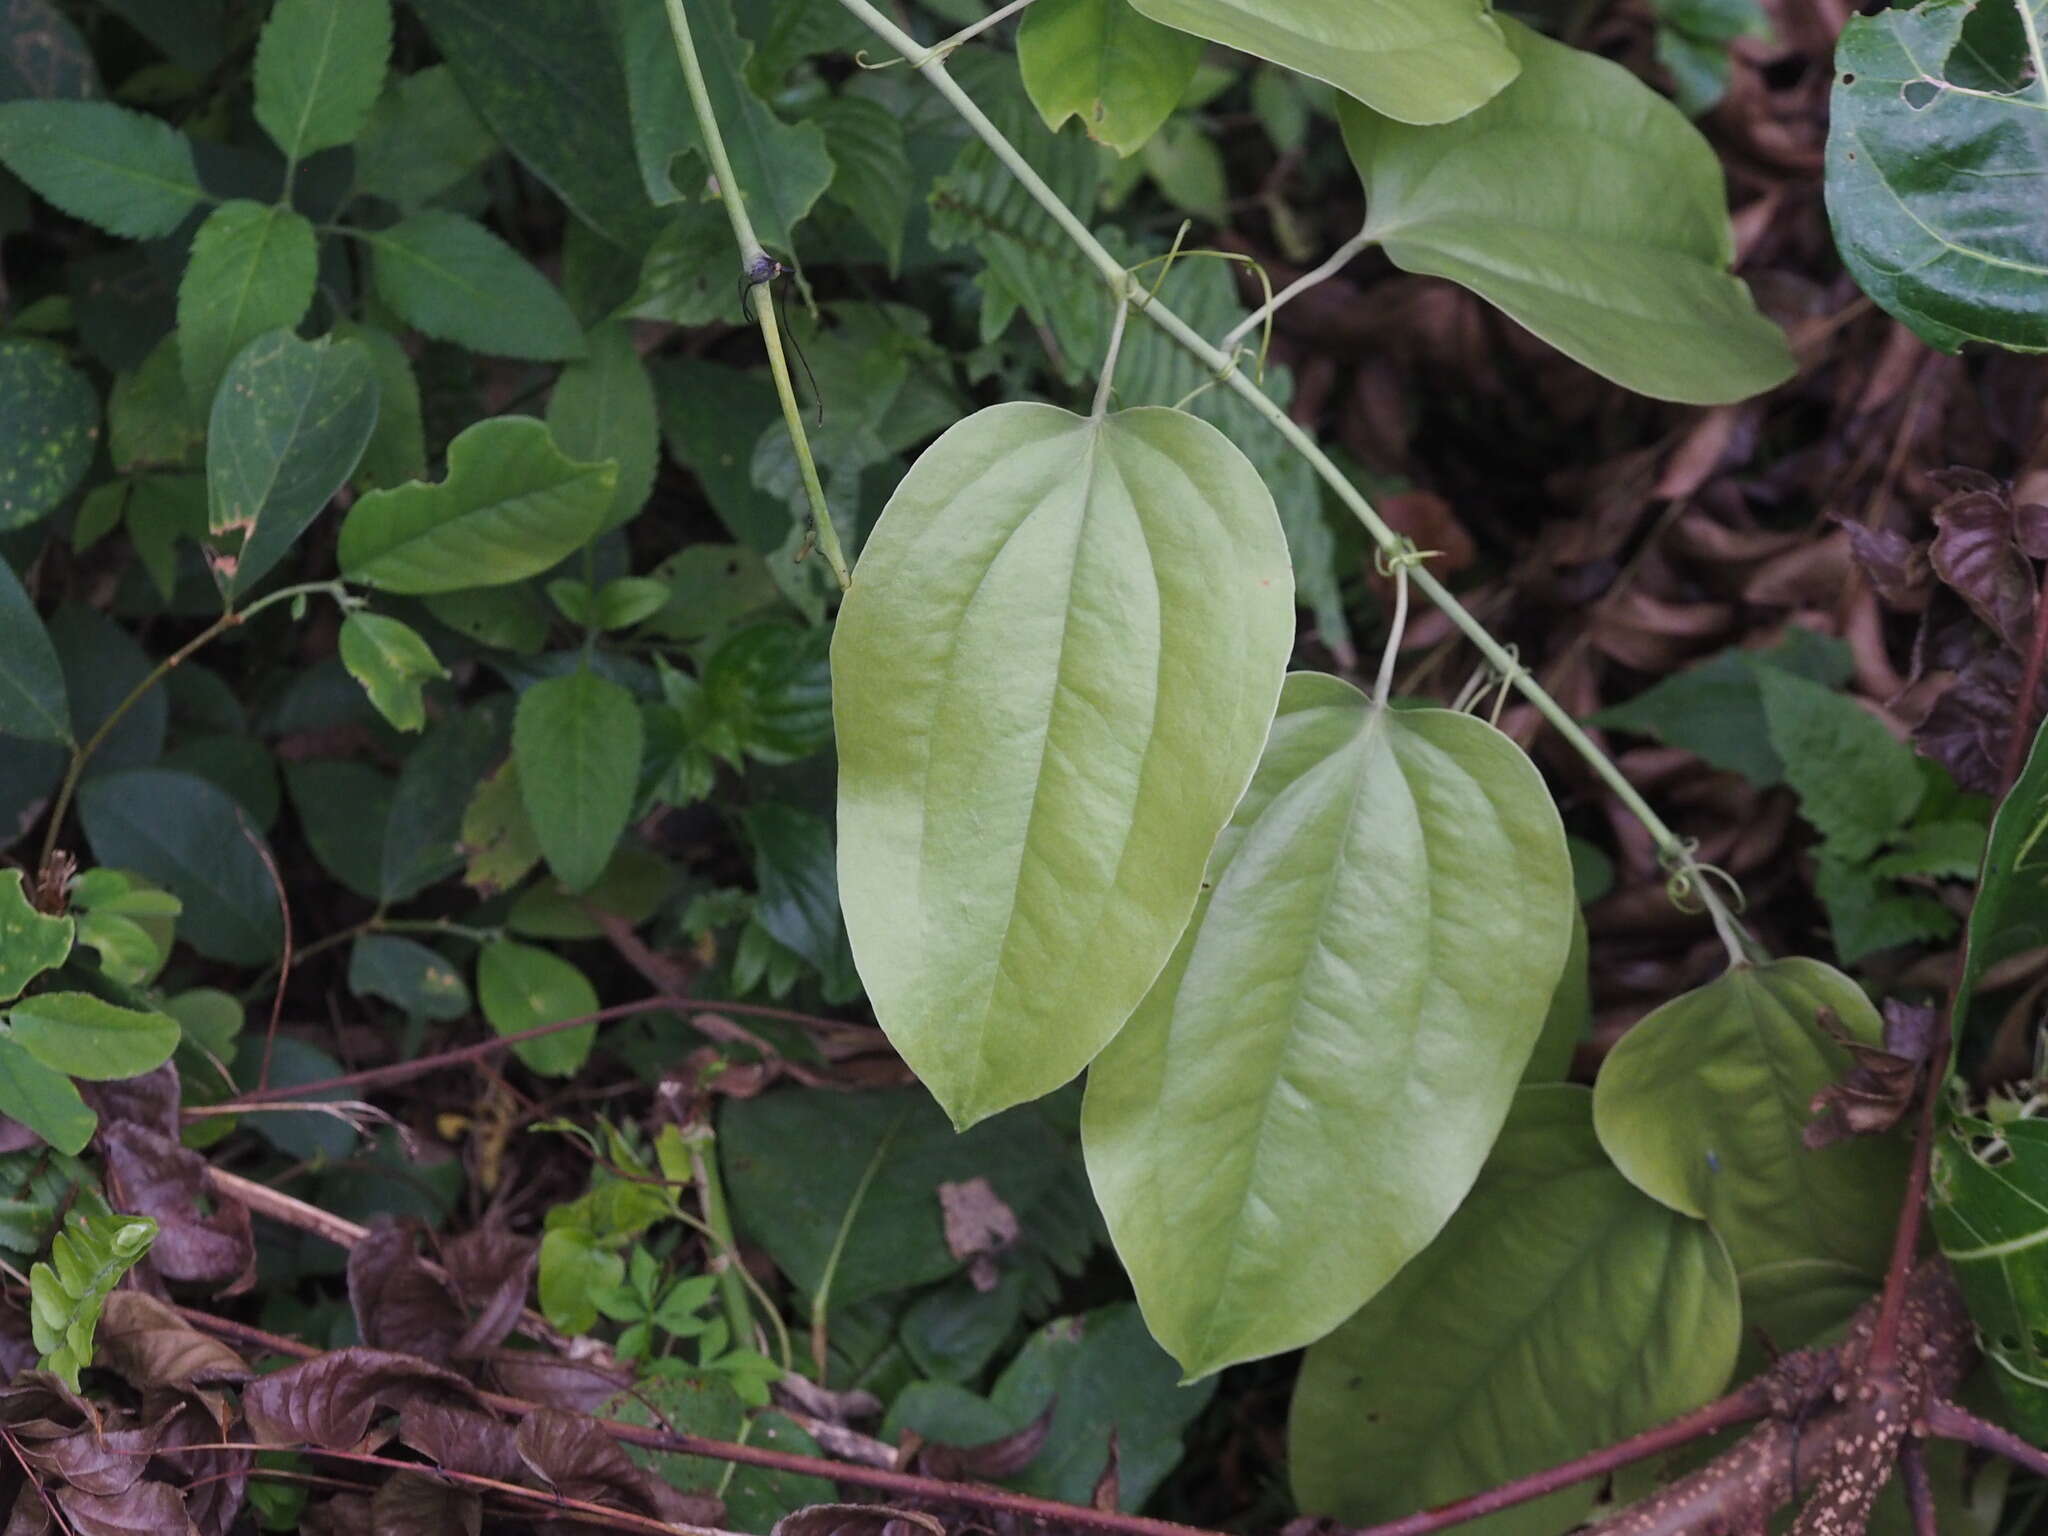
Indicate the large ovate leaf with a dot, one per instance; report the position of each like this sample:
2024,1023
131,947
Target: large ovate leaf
49,427
1703,1105
78,1033
1937,167
1988,1199
456,281
127,172
33,706
251,271
576,741
288,425
1560,1311
512,505
1309,1090
319,67
1103,62
1050,681
1586,207
1419,61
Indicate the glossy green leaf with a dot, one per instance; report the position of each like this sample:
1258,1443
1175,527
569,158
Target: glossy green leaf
1103,62
603,408
798,901
319,67
251,271
127,172
31,942
1050,682
1988,1200
1570,1018
49,426
521,987
188,837
394,665
781,167
288,425
1560,1311
1586,207
512,505
77,1033
550,81
456,281
1307,1093
1703,1103
33,706
1937,168
1419,61
44,1101
576,741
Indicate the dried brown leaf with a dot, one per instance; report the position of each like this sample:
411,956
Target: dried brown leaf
570,1454
857,1520
201,1237
398,1303
147,1509
150,1345
1975,554
418,1504
1894,565
992,1460
978,1227
330,1400
461,1439
1882,1082
491,1269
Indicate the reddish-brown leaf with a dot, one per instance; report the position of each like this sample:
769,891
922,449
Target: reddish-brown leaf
399,1304
329,1401
418,1504
149,1344
200,1237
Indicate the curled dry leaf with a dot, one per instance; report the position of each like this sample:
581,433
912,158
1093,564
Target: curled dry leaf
146,1509
399,1304
418,1504
570,1454
978,1227
491,1269
201,1236
330,1400
104,1465
461,1439
1882,1083
857,1520
150,1345
990,1461
1977,554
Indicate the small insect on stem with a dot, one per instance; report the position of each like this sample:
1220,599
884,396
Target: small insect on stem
763,270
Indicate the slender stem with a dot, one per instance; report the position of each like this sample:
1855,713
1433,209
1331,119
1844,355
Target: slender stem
1339,260
946,45
1918,1488
821,1309
1945,1421
752,259
1385,688
220,626
1116,344
732,1293
927,62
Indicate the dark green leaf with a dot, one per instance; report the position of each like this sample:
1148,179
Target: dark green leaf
1988,1196
799,889
49,424
1857,784
32,701
43,55
422,138
344,809
102,666
422,841
577,742
408,975
129,173
456,281
603,409
319,67
43,1100
251,271
871,172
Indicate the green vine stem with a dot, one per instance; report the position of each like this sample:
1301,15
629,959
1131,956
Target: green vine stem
754,262
82,755
930,63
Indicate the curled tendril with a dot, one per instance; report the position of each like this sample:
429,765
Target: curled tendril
860,60
1687,879
1387,562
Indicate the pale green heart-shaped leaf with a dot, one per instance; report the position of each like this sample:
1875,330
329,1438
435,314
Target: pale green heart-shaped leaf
1988,1200
1420,61
1560,1311
49,427
1050,681
46,1102
454,280
1309,1090
288,424
33,705
319,67
1586,207
576,742
1937,167
1103,62
127,172
31,942
251,271
1703,1104
394,665
520,987
512,505
77,1033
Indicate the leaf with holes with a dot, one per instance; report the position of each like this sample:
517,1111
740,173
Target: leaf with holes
1050,681
1988,1200
1309,1089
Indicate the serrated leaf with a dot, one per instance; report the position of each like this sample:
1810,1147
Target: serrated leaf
576,741
1419,61
31,942
33,706
127,172
1392,892
1857,784
603,408
87,1260
1584,206
251,271
782,168
520,987
49,427
77,1033
289,423
394,665
1050,681
1704,1102
422,138
454,280
1619,1314
44,1101
186,835
512,505
1107,64
1937,168
319,67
